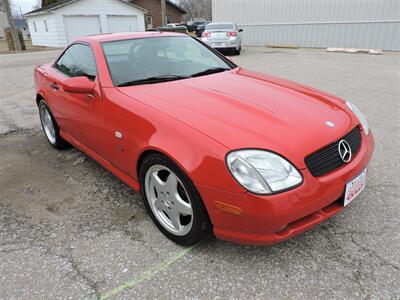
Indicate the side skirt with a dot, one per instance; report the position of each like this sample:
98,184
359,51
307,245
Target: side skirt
106,164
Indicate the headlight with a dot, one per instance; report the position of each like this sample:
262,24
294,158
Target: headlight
359,115
262,172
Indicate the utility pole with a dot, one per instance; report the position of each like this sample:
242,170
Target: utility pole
14,34
163,13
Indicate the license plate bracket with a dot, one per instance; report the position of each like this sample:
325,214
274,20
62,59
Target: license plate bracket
354,187
218,45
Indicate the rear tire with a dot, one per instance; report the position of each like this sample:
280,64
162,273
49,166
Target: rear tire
50,127
237,52
172,201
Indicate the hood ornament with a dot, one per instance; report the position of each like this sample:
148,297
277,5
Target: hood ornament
344,151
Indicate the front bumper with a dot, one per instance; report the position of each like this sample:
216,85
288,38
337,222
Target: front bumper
263,220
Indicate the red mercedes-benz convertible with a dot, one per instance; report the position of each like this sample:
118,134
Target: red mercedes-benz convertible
211,146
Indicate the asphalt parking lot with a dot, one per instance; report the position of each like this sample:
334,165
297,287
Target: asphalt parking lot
71,230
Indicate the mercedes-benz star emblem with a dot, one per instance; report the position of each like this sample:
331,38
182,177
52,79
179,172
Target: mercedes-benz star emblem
344,151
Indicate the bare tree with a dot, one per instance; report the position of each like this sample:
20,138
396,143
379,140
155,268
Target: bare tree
14,9
15,43
197,9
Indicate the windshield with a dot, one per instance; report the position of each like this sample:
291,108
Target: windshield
216,26
160,59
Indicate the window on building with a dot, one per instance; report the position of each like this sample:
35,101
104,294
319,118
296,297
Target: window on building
149,22
34,26
169,18
45,25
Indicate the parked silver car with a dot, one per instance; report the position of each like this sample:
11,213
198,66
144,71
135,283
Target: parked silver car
223,36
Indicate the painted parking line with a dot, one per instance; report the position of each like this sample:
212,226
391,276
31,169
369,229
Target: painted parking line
146,275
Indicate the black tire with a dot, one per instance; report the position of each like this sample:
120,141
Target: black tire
237,52
201,226
58,143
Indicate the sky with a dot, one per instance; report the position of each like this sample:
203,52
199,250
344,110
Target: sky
26,5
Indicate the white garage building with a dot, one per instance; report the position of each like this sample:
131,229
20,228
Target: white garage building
58,24
315,23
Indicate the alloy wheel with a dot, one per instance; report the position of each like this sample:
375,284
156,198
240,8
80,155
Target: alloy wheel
168,200
48,125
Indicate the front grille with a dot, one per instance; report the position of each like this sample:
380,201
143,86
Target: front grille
328,159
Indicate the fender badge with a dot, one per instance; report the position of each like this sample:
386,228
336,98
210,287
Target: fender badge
118,135
329,124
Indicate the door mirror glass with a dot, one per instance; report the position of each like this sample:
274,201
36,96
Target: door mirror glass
78,85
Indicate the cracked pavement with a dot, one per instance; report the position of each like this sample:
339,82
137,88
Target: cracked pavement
70,230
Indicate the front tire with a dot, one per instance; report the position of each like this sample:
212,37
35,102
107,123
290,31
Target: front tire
172,201
50,127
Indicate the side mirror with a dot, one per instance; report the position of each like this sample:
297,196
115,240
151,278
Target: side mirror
240,30
78,85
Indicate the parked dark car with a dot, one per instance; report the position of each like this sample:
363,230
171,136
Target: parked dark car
192,26
200,28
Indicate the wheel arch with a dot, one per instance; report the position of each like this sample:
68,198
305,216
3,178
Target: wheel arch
143,156
149,151
201,158
39,97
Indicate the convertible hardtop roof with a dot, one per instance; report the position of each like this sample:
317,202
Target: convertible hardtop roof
109,37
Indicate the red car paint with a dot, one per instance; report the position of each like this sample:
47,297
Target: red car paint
196,122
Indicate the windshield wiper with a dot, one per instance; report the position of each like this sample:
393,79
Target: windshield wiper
210,71
154,79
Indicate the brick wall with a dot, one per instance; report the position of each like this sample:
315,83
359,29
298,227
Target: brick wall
154,10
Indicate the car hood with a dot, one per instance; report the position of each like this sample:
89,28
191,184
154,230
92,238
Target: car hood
243,109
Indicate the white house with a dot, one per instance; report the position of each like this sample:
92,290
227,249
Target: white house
58,24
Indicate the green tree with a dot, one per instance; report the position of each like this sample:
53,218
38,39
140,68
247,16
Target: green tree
48,2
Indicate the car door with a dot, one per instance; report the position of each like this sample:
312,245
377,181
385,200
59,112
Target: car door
79,115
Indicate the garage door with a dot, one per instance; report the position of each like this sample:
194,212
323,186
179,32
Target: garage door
77,26
122,23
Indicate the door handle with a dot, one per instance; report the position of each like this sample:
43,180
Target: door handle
54,85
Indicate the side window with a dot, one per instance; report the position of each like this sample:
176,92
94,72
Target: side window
77,61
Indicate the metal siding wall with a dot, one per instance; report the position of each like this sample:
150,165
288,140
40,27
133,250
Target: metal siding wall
315,23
